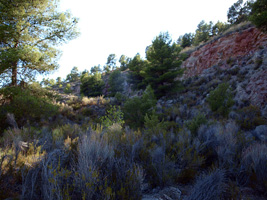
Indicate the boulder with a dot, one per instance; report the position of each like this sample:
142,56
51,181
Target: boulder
169,193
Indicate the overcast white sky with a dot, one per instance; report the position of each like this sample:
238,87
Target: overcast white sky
129,26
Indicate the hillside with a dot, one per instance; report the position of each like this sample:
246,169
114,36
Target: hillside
206,141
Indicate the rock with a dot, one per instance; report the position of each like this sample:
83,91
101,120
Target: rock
260,133
169,193
218,52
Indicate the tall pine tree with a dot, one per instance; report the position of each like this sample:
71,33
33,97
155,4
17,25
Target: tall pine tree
30,32
163,66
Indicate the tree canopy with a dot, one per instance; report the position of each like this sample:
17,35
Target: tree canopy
30,32
163,66
259,14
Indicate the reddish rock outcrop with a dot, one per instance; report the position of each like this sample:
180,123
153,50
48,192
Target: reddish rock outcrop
221,51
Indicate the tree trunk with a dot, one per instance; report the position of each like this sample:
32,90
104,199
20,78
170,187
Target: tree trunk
14,75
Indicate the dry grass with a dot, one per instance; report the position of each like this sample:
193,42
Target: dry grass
95,101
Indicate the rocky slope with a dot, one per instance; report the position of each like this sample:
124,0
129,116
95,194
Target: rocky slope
242,55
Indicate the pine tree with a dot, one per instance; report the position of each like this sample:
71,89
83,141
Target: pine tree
30,32
163,66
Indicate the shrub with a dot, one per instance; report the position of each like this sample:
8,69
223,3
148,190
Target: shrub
113,115
195,123
67,89
250,117
254,159
136,108
92,86
27,104
209,187
221,100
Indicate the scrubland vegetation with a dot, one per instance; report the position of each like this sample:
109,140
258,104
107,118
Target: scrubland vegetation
131,130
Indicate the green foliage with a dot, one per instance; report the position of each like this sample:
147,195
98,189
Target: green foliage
163,66
219,28
113,116
92,85
153,125
195,123
115,81
259,14
186,40
120,98
111,62
27,104
238,12
137,69
29,33
96,69
74,75
203,32
221,100
136,108
59,80
67,89
124,61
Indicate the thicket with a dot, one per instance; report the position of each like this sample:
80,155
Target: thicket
28,105
92,85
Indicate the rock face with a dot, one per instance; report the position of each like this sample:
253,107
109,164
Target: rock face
242,56
221,51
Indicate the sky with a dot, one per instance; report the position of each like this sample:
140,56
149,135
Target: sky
129,26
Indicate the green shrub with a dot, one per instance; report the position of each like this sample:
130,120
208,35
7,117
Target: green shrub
221,99
136,108
67,89
195,123
27,104
92,86
113,116
259,14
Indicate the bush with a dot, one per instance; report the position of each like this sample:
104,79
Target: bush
27,104
250,117
136,108
92,86
113,116
221,100
67,89
254,159
195,123
209,187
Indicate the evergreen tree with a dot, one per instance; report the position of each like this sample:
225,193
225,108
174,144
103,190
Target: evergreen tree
163,66
111,61
115,82
29,32
137,70
124,61
92,85
203,32
74,75
259,14
239,12
95,69
186,40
